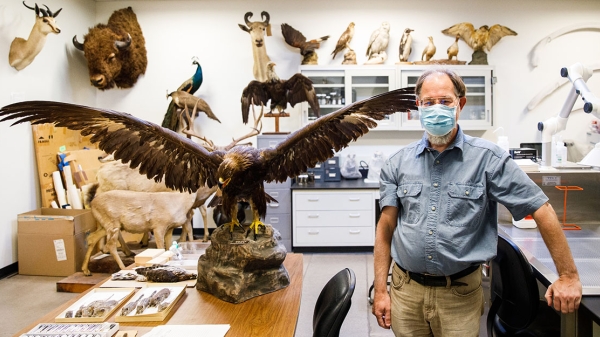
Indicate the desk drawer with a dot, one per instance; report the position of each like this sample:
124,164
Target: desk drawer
334,236
333,201
354,218
283,201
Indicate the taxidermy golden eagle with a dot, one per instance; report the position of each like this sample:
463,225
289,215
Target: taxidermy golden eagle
297,40
484,37
296,89
186,166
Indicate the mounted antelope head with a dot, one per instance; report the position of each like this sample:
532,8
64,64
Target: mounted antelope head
22,52
257,30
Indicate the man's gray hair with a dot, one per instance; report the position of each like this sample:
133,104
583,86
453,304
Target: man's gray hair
459,86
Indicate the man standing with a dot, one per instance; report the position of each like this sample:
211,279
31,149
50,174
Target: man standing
439,222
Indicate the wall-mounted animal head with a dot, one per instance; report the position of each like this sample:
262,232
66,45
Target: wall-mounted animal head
22,52
256,29
116,52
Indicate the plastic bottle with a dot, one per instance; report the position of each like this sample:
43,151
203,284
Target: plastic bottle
561,153
175,250
503,140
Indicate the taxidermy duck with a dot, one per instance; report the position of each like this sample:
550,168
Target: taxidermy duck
453,49
191,85
296,89
240,172
429,51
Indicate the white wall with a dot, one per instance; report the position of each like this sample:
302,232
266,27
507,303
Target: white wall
177,30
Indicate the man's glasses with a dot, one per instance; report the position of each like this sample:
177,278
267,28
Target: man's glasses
447,101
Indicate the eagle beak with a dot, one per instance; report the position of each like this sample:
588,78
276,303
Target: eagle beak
222,183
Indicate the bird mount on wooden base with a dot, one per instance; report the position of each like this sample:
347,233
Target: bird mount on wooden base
443,61
237,267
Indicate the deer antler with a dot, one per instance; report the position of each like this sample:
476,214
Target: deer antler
209,144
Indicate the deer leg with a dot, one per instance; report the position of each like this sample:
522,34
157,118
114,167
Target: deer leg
159,236
92,240
111,242
124,246
168,237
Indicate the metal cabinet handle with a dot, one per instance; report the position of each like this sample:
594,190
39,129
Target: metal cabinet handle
354,231
354,199
274,220
357,215
274,194
274,205
313,232
313,199
313,215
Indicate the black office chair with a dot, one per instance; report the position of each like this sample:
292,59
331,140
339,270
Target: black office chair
516,307
333,304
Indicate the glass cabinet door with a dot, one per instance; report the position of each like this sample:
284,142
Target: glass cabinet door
330,89
477,112
365,83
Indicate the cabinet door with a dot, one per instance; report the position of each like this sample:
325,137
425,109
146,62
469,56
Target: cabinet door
330,88
477,113
367,82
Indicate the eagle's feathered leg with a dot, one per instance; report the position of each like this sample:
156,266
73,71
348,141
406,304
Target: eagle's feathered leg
234,220
256,223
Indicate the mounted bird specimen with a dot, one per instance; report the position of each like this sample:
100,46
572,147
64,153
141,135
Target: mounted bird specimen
344,40
182,100
296,89
239,173
453,49
307,48
191,85
429,51
405,45
484,37
379,41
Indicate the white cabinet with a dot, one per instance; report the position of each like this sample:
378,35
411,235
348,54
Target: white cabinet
341,85
477,114
337,86
329,218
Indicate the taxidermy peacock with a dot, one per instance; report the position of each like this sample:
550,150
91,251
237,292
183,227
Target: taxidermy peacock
191,85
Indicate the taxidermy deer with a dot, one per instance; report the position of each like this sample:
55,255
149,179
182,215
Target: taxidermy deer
257,32
22,52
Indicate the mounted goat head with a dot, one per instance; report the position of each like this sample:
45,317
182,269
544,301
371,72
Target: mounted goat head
22,52
257,30
115,52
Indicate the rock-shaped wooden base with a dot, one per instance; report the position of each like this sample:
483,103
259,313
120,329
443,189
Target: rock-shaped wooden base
479,57
240,269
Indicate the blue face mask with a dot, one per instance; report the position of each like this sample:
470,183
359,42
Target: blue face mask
438,119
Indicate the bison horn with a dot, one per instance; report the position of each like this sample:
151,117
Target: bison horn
28,6
123,44
247,17
266,16
77,44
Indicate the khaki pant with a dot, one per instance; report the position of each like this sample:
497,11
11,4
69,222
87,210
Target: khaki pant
452,311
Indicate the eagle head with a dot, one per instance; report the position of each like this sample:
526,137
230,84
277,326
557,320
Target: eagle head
235,163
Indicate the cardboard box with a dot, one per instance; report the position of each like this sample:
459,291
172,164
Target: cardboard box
52,242
48,140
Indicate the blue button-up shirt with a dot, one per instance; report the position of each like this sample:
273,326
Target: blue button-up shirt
447,202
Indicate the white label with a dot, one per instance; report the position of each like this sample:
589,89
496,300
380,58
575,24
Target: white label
59,248
550,180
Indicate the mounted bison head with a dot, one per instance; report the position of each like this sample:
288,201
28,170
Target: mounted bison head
116,52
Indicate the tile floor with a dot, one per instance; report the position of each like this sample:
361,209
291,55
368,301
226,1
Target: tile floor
26,298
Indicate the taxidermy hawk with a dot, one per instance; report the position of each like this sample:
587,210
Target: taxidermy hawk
344,40
191,85
297,40
484,37
239,172
296,89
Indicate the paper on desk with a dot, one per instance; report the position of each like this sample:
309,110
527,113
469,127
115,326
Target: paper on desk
204,330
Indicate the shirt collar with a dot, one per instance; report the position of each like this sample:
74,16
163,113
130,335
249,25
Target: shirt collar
458,142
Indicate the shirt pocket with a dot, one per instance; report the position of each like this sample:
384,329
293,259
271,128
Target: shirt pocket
465,203
409,194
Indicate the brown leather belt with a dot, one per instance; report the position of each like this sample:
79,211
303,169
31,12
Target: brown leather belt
439,281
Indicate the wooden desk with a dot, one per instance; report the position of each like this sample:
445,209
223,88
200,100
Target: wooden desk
273,314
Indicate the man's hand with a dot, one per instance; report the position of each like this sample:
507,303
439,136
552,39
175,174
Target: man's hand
564,294
382,310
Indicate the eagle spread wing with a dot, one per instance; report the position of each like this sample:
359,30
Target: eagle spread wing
317,141
496,33
465,30
484,37
157,151
255,93
299,88
296,39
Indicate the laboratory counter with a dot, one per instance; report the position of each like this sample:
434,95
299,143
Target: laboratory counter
343,184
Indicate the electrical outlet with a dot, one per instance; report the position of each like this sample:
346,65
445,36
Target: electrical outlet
17,97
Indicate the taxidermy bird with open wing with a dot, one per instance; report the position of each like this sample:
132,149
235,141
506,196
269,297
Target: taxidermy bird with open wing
484,37
297,40
190,86
296,89
239,172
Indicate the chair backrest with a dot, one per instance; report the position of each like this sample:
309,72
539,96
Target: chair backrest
514,286
333,304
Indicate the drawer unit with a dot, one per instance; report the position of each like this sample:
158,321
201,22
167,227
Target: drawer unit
349,218
334,236
327,201
333,162
333,218
282,222
283,201
332,174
